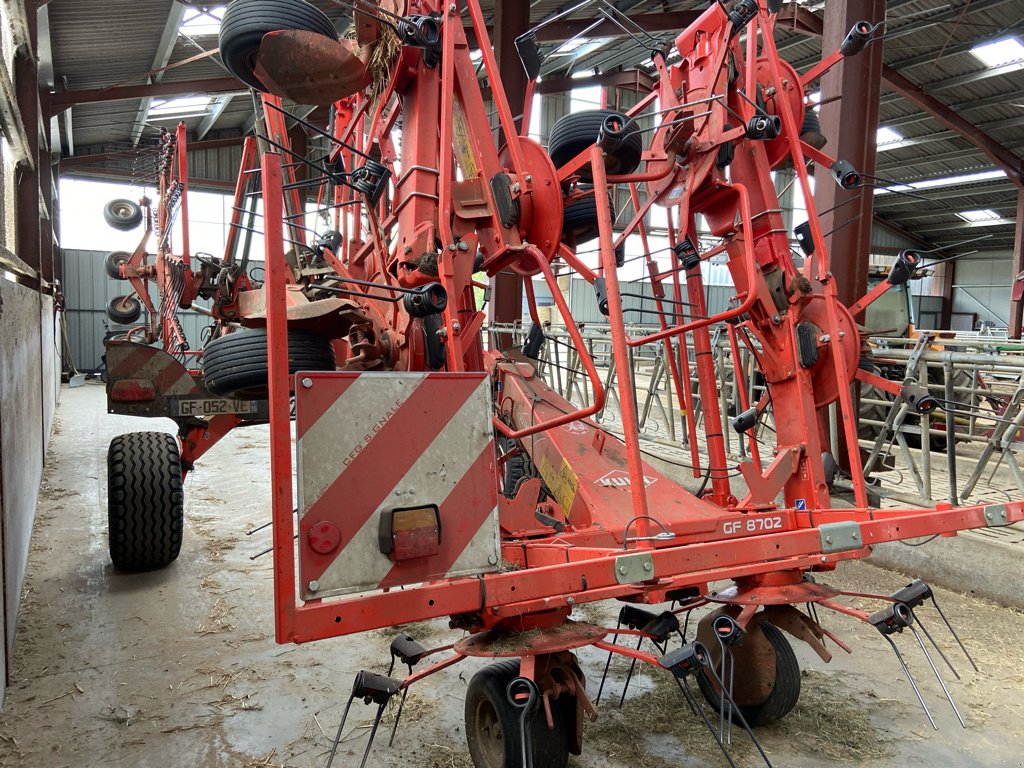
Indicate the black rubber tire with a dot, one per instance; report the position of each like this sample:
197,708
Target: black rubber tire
124,215
145,503
514,468
579,219
785,692
112,263
236,365
486,702
124,310
576,132
246,22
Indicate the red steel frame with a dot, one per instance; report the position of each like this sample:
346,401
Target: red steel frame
718,537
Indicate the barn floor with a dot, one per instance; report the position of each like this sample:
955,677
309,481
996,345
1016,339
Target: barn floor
179,668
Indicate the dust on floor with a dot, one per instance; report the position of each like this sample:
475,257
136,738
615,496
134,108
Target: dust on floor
179,668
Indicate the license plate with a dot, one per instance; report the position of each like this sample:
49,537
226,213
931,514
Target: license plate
212,406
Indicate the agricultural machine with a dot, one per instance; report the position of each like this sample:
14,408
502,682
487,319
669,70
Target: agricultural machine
440,477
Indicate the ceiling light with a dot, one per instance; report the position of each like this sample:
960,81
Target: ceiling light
202,21
944,181
999,53
985,214
887,138
186,106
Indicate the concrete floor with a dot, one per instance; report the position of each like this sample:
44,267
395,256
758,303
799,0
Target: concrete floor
178,668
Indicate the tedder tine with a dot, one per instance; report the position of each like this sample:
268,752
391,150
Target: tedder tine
893,620
682,662
371,688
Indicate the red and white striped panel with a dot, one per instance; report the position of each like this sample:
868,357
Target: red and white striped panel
368,443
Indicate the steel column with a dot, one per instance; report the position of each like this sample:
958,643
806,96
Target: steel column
511,19
26,87
1017,307
851,137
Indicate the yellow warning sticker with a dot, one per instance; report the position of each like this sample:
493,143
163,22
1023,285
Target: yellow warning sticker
463,147
562,482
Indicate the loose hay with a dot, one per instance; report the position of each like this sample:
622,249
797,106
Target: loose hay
655,729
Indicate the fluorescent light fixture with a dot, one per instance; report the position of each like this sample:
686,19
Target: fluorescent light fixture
984,214
887,138
202,21
999,53
581,46
186,106
945,181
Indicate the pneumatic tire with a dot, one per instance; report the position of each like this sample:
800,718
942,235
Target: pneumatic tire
578,131
492,723
145,503
236,365
580,219
124,310
785,690
112,263
123,215
246,22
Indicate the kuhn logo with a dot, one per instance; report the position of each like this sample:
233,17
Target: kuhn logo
620,479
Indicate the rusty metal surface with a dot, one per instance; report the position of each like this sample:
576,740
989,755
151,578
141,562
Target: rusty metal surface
128,361
802,592
753,656
534,642
310,68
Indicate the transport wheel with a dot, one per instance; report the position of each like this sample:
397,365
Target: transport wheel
576,132
113,261
579,219
767,676
236,365
124,310
124,215
492,723
144,500
246,22
515,467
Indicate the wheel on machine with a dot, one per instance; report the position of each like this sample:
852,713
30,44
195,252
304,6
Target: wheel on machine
144,500
124,215
579,219
767,678
124,310
235,365
576,132
246,22
112,263
492,723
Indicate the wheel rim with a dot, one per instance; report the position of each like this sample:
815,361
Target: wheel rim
489,736
122,211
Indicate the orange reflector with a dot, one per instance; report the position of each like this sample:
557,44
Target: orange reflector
411,532
132,391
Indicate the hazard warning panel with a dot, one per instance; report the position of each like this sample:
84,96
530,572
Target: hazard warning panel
396,480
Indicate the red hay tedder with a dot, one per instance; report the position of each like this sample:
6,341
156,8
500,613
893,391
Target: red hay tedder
440,478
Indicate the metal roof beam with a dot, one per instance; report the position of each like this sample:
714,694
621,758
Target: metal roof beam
119,174
946,226
131,154
972,77
1006,159
162,58
216,110
62,101
1003,157
963,106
